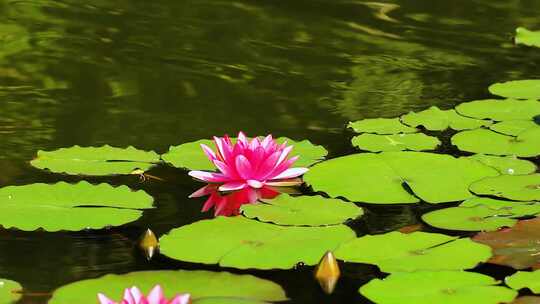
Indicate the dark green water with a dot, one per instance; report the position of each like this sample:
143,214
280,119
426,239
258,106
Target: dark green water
157,73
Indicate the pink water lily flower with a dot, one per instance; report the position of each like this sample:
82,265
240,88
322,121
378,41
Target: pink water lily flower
134,296
248,163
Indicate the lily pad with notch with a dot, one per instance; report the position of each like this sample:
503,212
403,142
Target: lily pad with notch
475,218
509,165
521,89
500,109
395,142
513,187
514,127
485,141
10,291
524,279
380,126
435,119
417,251
73,207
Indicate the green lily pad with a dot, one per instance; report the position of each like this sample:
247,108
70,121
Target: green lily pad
380,126
517,247
400,252
441,287
378,178
395,142
74,207
514,127
476,218
105,160
243,243
527,37
435,119
524,279
191,156
510,165
488,142
514,187
9,291
499,110
526,300
302,211
200,284
513,208
521,89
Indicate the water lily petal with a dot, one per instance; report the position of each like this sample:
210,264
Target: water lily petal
254,183
211,202
136,294
104,300
181,299
243,167
209,152
290,173
204,191
128,297
208,176
267,141
284,153
242,139
228,171
156,295
232,186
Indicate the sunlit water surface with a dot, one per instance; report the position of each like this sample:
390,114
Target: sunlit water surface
158,73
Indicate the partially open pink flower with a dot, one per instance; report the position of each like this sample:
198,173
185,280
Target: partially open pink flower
248,163
134,296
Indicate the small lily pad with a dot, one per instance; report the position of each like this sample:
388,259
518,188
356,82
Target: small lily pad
527,37
380,126
105,160
190,155
302,211
395,142
9,291
477,218
517,247
514,187
488,142
521,89
243,243
74,207
514,127
200,284
441,287
524,279
509,165
379,178
435,119
399,252
499,110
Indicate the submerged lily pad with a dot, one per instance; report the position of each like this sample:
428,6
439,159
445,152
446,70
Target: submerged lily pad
510,165
303,211
190,155
399,252
514,187
517,247
243,243
64,206
395,142
380,126
200,284
441,287
524,279
105,160
488,142
476,218
527,37
435,119
499,110
514,127
378,178
9,291
522,89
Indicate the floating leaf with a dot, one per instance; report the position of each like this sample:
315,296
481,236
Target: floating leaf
200,284
190,155
514,127
510,165
477,218
399,252
441,287
64,206
105,160
521,89
9,291
435,119
514,187
380,126
524,279
243,243
378,178
514,209
499,110
395,142
517,247
303,210
488,142
527,37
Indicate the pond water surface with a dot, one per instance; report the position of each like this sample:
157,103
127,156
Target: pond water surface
157,73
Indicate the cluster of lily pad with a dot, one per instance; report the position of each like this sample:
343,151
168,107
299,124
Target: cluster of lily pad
494,182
